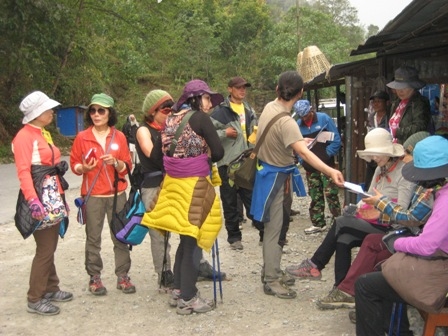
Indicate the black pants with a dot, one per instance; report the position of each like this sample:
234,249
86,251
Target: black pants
229,202
374,299
186,267
345,233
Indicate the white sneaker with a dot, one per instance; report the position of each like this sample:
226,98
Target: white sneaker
314,229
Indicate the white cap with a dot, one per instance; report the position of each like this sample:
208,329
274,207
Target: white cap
35,104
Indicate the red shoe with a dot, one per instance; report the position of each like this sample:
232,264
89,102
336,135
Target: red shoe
124,283
96,286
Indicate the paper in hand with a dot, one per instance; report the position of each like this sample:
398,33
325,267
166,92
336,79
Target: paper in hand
356,188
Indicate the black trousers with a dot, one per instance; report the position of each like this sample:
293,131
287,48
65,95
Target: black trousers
229,202
374,299
186,267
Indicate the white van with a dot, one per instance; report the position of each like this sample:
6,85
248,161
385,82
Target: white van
328,106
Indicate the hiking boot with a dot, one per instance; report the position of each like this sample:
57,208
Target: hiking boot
59,296
166,279
352,316
279,289
195,305
336,299
96,286
174,297
124,283
294,212
206,272
286,279
305,270
42,307
315,229
236,245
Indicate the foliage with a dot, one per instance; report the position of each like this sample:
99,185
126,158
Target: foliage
73,49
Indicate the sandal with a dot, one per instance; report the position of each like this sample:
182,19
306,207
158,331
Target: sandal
279,290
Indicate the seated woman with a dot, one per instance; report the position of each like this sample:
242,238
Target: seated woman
373,250
349,231
424,257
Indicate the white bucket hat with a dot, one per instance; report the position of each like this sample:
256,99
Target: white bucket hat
35,104
379,142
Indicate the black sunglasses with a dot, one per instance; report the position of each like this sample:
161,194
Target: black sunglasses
101,111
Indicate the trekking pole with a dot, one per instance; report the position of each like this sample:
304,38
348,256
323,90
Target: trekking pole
165,259
214,276
219,269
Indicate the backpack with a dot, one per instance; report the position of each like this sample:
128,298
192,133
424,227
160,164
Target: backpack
125,224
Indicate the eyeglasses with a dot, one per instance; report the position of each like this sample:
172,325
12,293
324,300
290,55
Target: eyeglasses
165,110
101,111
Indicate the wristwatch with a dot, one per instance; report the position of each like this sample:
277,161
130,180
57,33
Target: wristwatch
116,163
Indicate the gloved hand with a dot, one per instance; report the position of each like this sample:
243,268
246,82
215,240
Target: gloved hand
37,209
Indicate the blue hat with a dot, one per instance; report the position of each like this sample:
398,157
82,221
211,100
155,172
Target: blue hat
430,160
301,108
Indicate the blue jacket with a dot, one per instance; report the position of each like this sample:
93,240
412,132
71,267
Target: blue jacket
324,151
268,181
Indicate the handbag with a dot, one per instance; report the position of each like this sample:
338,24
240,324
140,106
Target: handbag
125,224
422,282
241,171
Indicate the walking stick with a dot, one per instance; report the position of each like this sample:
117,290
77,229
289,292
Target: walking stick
214,275
219,269
165,259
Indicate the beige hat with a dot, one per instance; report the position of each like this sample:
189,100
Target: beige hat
35,104
379,142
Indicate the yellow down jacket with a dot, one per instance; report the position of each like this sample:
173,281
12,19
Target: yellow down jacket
188,206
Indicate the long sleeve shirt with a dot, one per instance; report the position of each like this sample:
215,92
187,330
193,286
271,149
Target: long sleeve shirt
434,238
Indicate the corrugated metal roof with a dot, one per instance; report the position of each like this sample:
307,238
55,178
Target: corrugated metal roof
423,24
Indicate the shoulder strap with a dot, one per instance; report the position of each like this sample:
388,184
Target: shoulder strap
179,131
117,178
265,132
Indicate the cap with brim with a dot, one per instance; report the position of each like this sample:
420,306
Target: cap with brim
301,108
35,104
406,77
197,87
378,142
102,99
380,95
430,160
238,81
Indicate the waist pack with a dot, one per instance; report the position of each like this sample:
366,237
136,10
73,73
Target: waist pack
241,171
125,224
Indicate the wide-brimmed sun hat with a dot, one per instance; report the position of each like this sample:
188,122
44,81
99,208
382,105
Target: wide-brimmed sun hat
35,104
301,108
430,160
379,142
197,87
406,77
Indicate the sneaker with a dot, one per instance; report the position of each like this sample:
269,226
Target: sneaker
352,316
42,307
206,272
96,286
236,245
166,279
336,299
314,229
195,305
279,289
305,270
124,283
59,296
174,297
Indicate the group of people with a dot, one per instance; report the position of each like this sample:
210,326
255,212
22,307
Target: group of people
189,144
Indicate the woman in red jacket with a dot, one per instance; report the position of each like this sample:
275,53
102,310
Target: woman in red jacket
111,153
